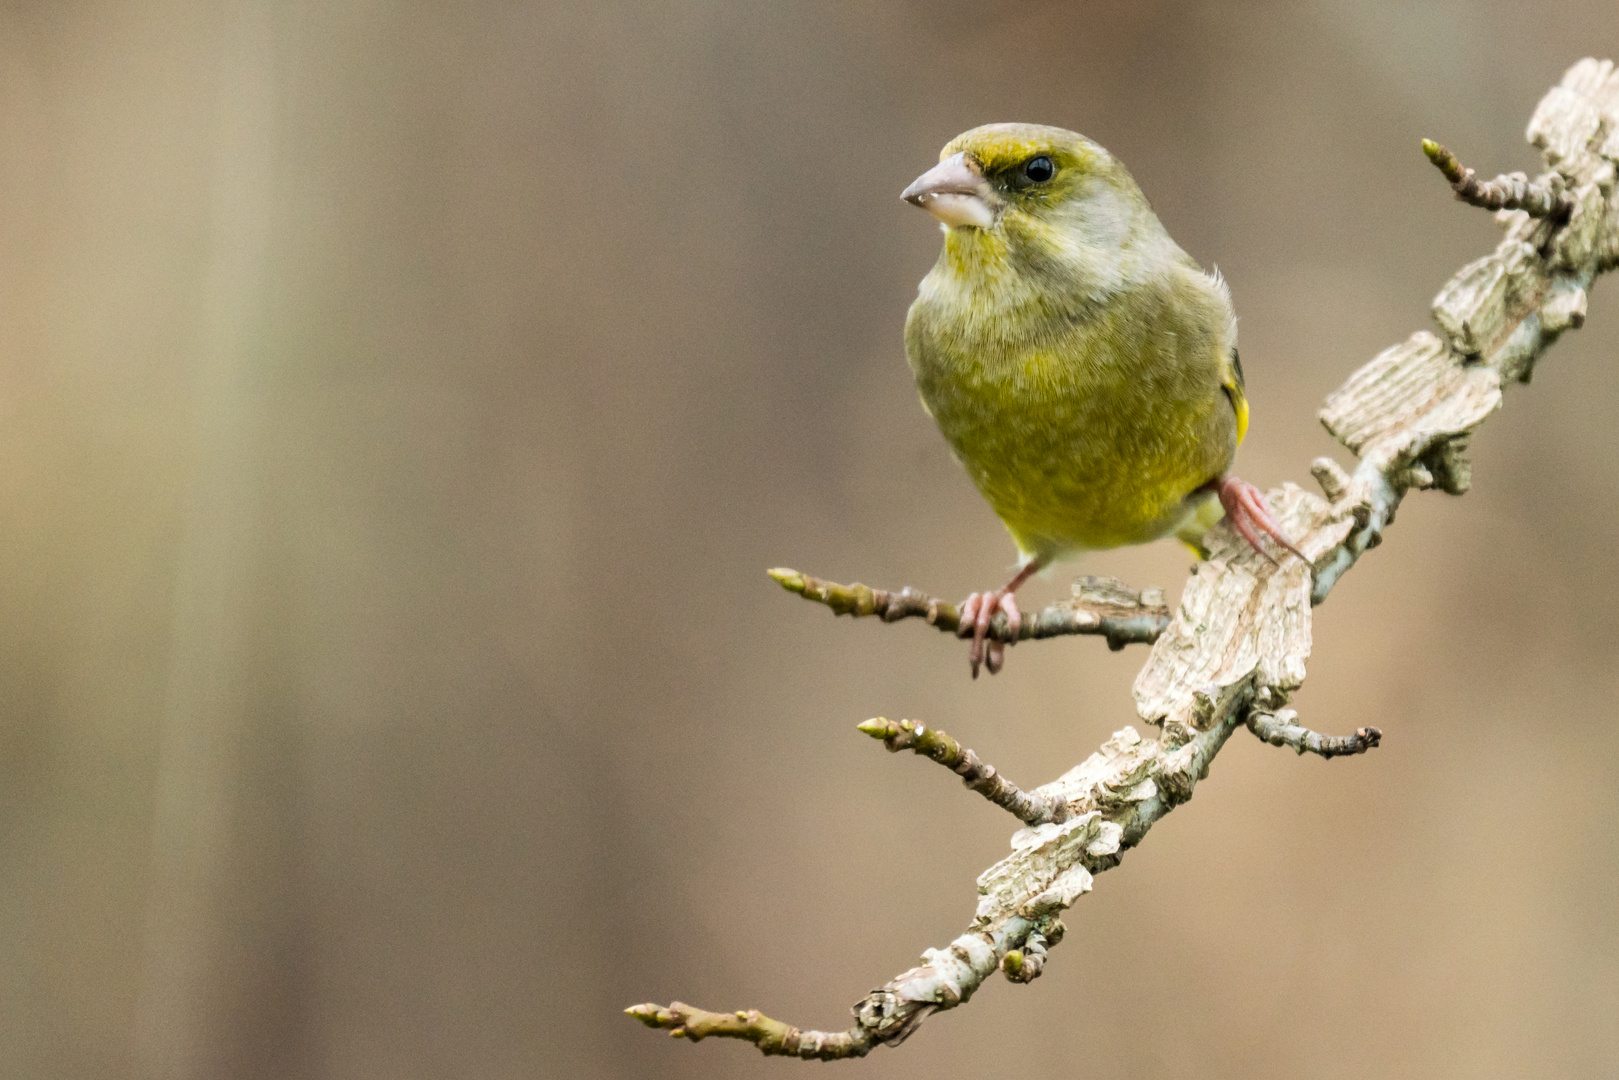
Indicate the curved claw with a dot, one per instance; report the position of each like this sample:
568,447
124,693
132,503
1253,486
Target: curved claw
979,611
969,617
1249,514
979,608
1014,617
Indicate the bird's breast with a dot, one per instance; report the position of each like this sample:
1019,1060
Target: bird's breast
1083,429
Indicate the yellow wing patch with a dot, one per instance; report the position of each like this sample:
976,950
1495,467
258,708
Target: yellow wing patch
1231,380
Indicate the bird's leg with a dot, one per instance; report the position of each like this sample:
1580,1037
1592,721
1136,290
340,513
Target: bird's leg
1245,508
980,608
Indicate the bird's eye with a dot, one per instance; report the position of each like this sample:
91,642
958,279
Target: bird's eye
1039,169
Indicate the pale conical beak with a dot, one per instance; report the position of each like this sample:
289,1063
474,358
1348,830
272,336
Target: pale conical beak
955,192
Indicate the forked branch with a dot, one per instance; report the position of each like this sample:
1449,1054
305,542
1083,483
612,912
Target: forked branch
1235,648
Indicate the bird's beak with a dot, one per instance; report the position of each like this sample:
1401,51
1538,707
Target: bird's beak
955,192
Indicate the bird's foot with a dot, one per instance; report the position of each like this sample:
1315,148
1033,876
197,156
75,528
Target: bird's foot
979,608
976,612
1248,513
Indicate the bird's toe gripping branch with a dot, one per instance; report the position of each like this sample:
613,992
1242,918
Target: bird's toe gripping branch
977,610
1245,508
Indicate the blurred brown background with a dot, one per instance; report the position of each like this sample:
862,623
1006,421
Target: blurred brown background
400,404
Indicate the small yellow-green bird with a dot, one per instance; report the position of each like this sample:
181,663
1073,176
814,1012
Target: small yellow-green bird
1082,367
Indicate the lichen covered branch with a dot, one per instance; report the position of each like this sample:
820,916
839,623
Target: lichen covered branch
1102,606
1234,650
936,745
1280,730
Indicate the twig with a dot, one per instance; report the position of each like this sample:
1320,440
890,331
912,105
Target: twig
1543,197
1102,606
1032,809
772,1037
1280,730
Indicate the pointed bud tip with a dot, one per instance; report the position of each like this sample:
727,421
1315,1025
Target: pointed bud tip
1444,160
647,1013
791,580
877,727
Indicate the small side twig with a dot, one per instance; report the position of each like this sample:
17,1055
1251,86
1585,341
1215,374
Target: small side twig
1024,965
1280,730
1510,191
1105,607
1030,808
772,1037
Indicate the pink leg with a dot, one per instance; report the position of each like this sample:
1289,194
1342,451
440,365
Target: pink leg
1245,508
980,608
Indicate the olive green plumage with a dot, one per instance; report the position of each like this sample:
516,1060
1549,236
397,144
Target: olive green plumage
1080,364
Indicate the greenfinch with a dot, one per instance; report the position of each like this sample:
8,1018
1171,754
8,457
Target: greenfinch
1082,367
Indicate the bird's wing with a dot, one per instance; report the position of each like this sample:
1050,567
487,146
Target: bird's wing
1231,380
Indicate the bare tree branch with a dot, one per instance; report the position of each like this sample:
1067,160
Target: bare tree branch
1236,647
1280,730
935,744
1509,191
772,1037
1100,605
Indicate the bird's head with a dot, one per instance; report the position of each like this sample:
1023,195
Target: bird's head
1040,191
1000,168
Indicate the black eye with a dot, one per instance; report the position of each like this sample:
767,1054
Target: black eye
1039,169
